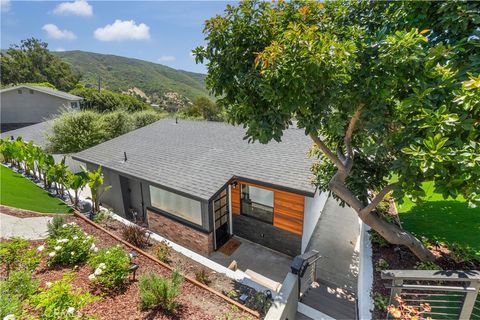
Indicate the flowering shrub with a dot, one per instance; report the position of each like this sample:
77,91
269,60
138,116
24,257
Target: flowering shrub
15,254
70,246
404,311
110,267
60,301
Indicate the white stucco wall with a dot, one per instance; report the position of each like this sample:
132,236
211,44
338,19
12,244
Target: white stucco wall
29,108
312,210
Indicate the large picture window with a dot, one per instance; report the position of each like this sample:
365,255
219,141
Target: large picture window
176,205
257,203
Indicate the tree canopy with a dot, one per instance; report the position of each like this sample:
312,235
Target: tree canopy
386,90
32,62
106,100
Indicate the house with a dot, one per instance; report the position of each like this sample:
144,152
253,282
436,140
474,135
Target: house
198,183
25,105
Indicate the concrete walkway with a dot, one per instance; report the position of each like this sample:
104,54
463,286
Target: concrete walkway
33,228
336,238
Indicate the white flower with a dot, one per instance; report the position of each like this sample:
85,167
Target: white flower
64,240
64,225
70,310
48,284
40,248
75,237
57,248
98,272
72,253
102,265
91,277
89,237
51,254
59,241
95,249
9,317
92,247
108,252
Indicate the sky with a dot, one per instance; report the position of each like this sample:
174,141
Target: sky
158,31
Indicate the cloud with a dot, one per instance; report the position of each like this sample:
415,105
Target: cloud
54,32
166,58
123,30
59,49
5,5
77,7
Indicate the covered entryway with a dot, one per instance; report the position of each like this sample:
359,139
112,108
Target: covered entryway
221,218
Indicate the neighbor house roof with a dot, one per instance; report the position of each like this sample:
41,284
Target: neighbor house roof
53,92
199,157
37,133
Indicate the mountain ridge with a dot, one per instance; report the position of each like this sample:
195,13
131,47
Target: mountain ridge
159,82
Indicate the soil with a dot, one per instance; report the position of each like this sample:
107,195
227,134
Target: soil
189,267
195,302
405,260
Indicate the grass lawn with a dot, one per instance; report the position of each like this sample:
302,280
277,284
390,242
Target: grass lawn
19,192
445,220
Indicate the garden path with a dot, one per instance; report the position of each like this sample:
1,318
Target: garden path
33,228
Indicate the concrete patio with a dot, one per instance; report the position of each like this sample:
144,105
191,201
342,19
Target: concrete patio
261,260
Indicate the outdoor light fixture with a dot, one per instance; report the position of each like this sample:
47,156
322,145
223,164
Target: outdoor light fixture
437,245
243,298
234,184
133,254
133,270
398,251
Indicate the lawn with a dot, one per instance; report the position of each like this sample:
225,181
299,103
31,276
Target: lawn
19,192
445,220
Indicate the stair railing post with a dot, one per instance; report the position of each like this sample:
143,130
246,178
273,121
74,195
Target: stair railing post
469,301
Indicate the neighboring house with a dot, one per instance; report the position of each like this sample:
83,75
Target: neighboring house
25,105
38,133
198,183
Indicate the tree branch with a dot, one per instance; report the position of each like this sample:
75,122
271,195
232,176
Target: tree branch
351,126
375,201
340,154
327,152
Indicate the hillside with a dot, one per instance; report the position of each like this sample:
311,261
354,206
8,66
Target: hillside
161,84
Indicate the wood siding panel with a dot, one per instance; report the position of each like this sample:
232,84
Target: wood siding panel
288,208
235,194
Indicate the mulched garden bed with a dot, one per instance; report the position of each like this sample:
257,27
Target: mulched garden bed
405,260
195,302
189,267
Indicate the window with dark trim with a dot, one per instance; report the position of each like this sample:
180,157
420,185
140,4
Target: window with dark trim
256,203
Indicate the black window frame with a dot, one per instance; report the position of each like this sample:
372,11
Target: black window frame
253,216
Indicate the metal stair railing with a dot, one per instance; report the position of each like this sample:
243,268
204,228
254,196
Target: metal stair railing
305,267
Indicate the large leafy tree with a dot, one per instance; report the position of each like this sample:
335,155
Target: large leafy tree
387,91
31,61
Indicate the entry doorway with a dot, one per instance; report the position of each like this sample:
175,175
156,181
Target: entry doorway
221,219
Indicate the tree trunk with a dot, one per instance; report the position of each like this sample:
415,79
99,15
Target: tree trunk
393,234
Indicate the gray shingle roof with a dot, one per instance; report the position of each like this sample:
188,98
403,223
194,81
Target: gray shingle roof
53,92
198,158
36,133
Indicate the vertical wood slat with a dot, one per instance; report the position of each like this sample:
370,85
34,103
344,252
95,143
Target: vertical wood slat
288,208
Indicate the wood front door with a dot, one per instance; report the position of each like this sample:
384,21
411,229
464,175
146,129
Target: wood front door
221,217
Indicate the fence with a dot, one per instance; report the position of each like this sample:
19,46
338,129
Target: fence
451,294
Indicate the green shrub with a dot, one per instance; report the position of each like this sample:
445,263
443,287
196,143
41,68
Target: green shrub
110,267
16,255
16,289
162,252
76,131
428,265
158,291
380,301
135,235
381,264
202,276
60,300
54,225
116,123
143,118
106,100
377,239
70,246
259,302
